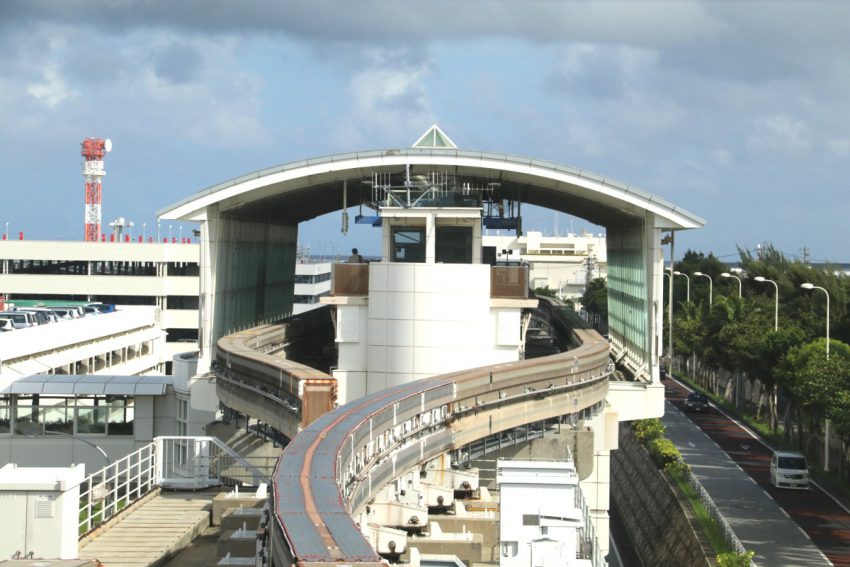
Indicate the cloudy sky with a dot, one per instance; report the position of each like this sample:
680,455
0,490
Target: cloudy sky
736,111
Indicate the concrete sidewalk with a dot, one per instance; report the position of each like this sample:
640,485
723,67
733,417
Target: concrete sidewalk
757,520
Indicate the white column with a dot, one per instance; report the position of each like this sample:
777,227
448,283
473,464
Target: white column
597,487
655,300
207,260
430,239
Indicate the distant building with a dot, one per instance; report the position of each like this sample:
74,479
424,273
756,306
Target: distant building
564,264
126,342
312,282
162,275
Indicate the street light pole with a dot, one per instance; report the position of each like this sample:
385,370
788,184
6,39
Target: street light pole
687,285
776,303
728,275
710,286
812,286
826,421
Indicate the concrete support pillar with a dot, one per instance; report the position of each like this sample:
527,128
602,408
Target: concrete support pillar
597,487
655,281
206,305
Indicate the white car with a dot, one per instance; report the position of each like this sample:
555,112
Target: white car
788,469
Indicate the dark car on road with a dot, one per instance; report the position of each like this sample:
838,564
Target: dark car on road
696,402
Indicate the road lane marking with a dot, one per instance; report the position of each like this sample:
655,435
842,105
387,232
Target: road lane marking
755,436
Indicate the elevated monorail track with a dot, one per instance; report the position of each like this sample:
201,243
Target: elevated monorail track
339,458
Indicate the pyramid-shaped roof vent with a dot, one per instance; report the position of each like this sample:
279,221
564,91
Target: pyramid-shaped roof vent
434,138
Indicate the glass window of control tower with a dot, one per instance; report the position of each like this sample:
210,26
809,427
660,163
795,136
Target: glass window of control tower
454,245
408,244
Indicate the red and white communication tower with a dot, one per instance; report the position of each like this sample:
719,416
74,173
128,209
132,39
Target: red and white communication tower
93,151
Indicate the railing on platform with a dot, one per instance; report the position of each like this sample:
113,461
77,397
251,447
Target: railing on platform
203,462
116,486
588,539
509,282
168,462
350,280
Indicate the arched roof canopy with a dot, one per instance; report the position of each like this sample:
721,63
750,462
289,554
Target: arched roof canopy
303,190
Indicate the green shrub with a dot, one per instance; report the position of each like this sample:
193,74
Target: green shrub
663,452
648,429
732,559
677,468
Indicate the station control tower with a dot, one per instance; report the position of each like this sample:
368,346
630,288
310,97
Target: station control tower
436,302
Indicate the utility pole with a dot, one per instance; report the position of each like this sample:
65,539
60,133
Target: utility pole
591,265
805,252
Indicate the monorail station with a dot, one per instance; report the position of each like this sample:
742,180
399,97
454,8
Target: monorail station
421,362
433,410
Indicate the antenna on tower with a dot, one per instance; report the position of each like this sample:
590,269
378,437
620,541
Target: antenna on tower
93,150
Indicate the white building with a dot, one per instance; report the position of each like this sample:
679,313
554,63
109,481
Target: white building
164,275
127,342
540,523
312,282
122,273
562,263
92,390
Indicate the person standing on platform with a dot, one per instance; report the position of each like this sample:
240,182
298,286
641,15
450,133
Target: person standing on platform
356,258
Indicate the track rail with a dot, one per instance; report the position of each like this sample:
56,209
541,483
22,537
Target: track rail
338,461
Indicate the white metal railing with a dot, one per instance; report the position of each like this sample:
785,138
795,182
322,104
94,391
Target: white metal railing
202,462
116,486
715,514
169,462
588,538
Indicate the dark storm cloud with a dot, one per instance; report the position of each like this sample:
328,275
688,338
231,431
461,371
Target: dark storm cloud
380,20
178,63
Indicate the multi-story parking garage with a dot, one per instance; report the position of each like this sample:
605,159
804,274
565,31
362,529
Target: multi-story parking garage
433,305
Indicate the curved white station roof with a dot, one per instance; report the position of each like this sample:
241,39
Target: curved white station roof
302,190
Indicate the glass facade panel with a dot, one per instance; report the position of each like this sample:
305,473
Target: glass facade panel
121,414
454,244
627,293
408,244
39,415
5,419
91,420
58,418
26,419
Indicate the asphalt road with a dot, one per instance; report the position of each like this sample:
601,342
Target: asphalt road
783,527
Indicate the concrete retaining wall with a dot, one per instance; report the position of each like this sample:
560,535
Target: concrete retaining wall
650,510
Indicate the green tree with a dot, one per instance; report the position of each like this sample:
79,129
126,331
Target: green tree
595,298
820,384
545,292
